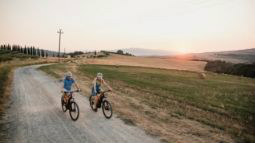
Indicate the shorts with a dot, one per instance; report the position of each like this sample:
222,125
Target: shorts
93,93
67,92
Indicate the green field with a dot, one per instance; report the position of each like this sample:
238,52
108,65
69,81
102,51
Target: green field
226,97
218,101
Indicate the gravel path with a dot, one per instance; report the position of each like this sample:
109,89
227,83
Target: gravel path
37,115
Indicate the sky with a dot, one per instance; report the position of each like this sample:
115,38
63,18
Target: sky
180,26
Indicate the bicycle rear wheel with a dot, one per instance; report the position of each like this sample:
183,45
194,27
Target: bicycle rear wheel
107,109
74,111
91,102
63,105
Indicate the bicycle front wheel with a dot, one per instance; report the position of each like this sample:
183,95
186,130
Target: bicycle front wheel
74,111
107,109
63,105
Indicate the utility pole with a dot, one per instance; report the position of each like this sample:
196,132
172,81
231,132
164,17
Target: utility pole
59,40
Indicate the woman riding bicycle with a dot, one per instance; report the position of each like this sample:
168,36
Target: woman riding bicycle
68,82
96,88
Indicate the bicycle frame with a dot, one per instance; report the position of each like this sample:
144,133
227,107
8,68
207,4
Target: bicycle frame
70,97
102,96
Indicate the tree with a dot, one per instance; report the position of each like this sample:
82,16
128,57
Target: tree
120,52
13,47
38,52
9,47
28,51
21,50
31,51
25,50
42,52
34,51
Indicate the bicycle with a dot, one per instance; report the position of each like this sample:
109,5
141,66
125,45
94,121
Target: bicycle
102,101
71,105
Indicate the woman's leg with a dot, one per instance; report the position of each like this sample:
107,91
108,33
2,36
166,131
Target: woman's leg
96,101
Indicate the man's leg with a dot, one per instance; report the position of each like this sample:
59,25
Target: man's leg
66,97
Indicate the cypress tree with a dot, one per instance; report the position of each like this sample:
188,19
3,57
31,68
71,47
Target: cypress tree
21,50
25,50
34,51
31,51
28,50
38,52
43,55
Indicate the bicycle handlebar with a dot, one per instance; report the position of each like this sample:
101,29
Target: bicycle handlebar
106,91
72,91
78,90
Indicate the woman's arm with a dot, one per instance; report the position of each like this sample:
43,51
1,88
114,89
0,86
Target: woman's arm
94,85
108,86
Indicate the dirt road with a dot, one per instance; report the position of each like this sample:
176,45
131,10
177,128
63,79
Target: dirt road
37,115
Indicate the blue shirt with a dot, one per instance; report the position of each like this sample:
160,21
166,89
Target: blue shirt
68,82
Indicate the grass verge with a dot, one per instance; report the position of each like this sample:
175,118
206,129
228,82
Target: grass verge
4,72
167,101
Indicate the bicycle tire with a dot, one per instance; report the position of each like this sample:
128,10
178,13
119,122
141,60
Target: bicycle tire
106,106
64,109
74,108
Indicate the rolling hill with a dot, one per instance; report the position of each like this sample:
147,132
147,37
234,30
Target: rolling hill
146,52
238,56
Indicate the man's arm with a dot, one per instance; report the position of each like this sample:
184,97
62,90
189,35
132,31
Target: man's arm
76,85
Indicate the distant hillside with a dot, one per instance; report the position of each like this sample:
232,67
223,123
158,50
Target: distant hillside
6,55
146,52
239,56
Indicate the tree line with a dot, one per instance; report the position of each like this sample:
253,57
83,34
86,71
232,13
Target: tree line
28,50
241,69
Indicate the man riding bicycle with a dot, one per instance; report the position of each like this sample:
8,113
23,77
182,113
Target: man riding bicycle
68,83
96,88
